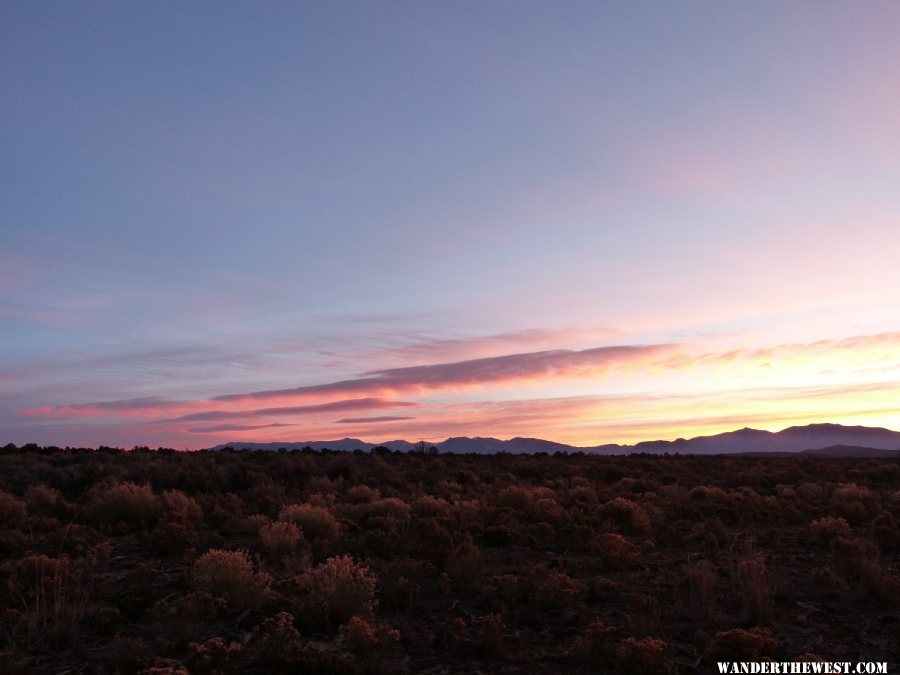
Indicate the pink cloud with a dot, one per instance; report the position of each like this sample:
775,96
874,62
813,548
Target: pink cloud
349,404
367,420
474,372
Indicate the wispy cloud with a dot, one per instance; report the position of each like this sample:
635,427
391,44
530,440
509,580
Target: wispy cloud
474,372
333,406
368,420
235,427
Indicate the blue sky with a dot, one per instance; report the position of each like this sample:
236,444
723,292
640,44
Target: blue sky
208,199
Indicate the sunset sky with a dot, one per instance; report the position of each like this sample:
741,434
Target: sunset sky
589,222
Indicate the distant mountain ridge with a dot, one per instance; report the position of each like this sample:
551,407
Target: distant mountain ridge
832,440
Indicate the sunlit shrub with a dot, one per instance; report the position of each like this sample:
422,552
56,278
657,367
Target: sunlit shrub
181,509
826,530
281,541
229,575
214,655
627,515
431,507
358,635
315,522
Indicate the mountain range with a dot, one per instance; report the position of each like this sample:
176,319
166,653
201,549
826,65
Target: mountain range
832,440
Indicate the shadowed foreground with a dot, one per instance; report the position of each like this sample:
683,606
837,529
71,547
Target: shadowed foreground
164,562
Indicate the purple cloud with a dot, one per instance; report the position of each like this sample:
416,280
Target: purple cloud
349,404
364,420
236,427
473,371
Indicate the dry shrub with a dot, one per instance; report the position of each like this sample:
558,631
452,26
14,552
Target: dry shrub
214,656
181,509
884,530
643,657
50,596
546,510
598,640
615,551
229,575
696,589
124,504
826,530
859,563
643,619
337,590
433,541
12,509
46,500
627,515
316,522
358,635
556,593
583,496
855,503
755,588
465,565
490,629
740,645
514,497
275,642
428,506
281,541
710,495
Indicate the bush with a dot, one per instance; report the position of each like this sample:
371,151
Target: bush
643,657
826,530
614,550
316,522
229,575
339,589
281,541
181,509
12,509
740,645
627,515
124,504
465,565
358,635
755,589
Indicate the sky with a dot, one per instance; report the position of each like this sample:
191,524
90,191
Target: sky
589,222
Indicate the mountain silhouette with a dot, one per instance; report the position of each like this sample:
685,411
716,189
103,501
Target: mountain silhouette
833,440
